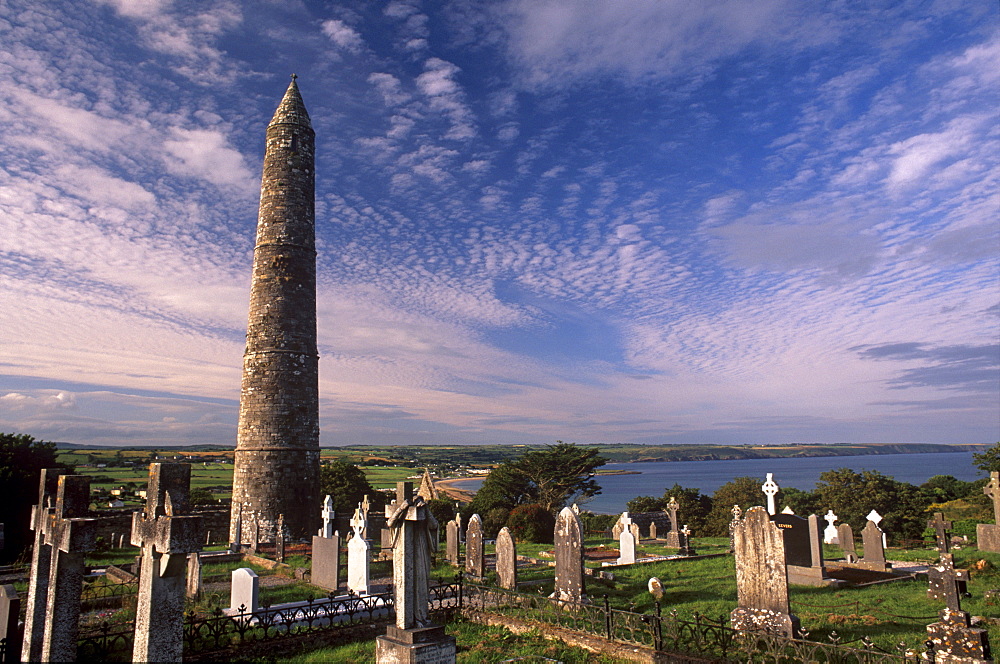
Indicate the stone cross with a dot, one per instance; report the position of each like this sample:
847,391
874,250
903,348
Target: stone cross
328,517
626,548
830,532
770,489
41,562
71,537
874,516
685,548
279,540
737,517
992,490
569,585
166,532
414,541
941,528
475,566
761,577
506,549
672,508
624,523
359,522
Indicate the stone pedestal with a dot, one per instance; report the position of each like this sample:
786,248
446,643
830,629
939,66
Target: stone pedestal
956,640
419,645
326,562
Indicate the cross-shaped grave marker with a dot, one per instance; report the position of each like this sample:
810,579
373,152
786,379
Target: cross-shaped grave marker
830,532
167,533
945,581
358,522
770,489
992,489
41,562
328,516
71,535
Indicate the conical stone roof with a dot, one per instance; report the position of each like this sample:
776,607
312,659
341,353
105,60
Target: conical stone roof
291,110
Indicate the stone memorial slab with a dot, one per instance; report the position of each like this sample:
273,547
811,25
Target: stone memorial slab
451,542
506,549
244,591
988,534
636,533
795,537
570,585
874,550
279,540
41,562
10,608
653,531
358,565
194,575
626,548
846,536
475,564
326,562
673,535
761,577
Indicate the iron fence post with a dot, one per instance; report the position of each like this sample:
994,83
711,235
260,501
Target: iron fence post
607,616
658,628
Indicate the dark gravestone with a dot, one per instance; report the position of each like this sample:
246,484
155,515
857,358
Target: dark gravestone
795,536
846,536
874,550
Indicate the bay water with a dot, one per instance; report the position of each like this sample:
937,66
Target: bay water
797,472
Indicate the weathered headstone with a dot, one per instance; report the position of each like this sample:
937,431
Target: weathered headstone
41,562
634,529
10,607
570,586
872,542
279,540
237,544
358,564
935,576
623,523
326,562
166,532
770,489
653,531
475,564
830,532
451,542
988,534
735,521
244,591
761,579
193,587
846,536
877,518
626,548
506,549
71,537
413,638
953,636
255,534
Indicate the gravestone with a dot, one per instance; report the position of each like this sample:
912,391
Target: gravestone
652,531
359,522
770,489
506,559
935,578
326,562
626,548
255,534
634,529
953,637
451,542
685,548
988,534
475,567
244,591
761,579
846,536
570,586
830,532
877,518
874,550
279,540
237,544
358,561
413,638
803,549
193,588
71,537
623,523
10,607
41,562
735,521
166,532
385,542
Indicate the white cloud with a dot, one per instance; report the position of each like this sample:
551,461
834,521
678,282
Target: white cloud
206,154
343,35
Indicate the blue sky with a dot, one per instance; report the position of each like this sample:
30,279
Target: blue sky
649,221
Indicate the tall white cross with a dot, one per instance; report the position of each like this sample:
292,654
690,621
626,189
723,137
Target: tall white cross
770,488
358,522
830,535
328,516
875,516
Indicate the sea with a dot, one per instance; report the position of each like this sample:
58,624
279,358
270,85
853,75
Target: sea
798,472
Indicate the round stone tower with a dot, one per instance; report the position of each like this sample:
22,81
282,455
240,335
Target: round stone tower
277,446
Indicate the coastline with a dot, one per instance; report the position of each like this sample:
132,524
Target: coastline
448,488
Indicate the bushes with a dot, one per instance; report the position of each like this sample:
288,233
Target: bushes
531,523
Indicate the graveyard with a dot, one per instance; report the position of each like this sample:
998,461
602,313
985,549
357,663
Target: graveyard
658,589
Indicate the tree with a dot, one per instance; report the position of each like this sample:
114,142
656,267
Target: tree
742,491
988,461
21,460
532,523
202,496
853,495
443,510
693,507
347,485
560,473
641,504
802,502
504,488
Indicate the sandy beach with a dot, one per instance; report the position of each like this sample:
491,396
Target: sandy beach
449,489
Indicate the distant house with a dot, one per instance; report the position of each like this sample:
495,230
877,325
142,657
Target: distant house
115,503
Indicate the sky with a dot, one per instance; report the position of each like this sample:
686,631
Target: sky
596,221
